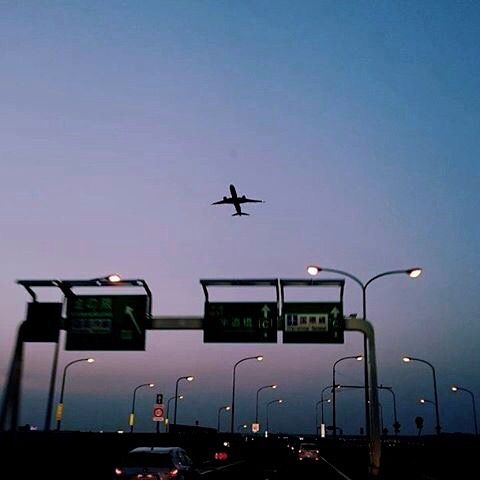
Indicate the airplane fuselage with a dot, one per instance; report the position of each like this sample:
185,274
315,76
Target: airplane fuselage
233,192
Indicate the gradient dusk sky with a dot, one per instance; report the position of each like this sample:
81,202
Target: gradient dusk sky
356,121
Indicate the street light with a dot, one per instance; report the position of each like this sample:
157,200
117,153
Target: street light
320,402
59,412
279,400
259,358
131,419
188,378
226,408
413,272
242,427
456,388
396,425
167,421
334,410
323,391
437,415
258,391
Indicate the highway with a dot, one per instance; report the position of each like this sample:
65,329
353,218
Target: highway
60,455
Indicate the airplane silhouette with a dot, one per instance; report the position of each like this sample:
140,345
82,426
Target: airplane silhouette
236,201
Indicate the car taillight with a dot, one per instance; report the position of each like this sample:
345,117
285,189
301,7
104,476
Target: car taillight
173,473
221,456
118,471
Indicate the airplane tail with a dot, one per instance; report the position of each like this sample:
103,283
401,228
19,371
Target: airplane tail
240,214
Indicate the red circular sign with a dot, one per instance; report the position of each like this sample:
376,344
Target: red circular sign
158,412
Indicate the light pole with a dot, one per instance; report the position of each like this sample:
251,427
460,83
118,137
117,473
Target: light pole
59,412
188,378
334,410
331,387
456,388
131,419
226,408
381,416
279,400
259,358
437,415
256,404
396,425
320,402
180,397
411,272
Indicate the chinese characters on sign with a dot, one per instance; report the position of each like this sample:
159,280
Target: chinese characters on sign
240,322
106,322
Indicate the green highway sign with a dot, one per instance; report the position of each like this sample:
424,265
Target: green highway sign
106,322
313,322
240,322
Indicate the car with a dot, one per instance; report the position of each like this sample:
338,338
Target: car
157,463
308,452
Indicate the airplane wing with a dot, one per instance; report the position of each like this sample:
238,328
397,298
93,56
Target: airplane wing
250,200
225,201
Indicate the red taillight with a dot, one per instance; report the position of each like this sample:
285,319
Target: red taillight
118,471
221,456
173,473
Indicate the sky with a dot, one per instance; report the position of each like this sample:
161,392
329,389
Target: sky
356,122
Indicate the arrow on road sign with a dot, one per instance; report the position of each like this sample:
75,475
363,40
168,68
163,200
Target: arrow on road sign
265,311
335,311
129,312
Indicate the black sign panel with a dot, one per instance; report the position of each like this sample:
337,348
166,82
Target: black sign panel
106,322
43,322
240,322
315,322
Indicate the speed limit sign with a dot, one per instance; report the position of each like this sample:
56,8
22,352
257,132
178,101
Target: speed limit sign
158,412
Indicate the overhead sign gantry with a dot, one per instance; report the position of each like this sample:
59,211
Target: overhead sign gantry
312,322
240,322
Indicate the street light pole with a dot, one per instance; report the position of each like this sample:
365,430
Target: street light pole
259,358
59,412
167,421
456,388
131,419
320,402
271,403
256,404
437,415
412,273
321,395
226,408
188,378
396,425
334,410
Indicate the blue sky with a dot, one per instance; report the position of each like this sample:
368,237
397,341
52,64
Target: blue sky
356,122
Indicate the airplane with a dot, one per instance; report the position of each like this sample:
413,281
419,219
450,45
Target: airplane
236,201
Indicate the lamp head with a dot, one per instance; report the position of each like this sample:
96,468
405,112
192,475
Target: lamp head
313,270
260,358
180,397
329,400
359,358
422,400
90,360
114,278
228,407
190,378
454,388
406,359
151,385
414,272
274,386
280,401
